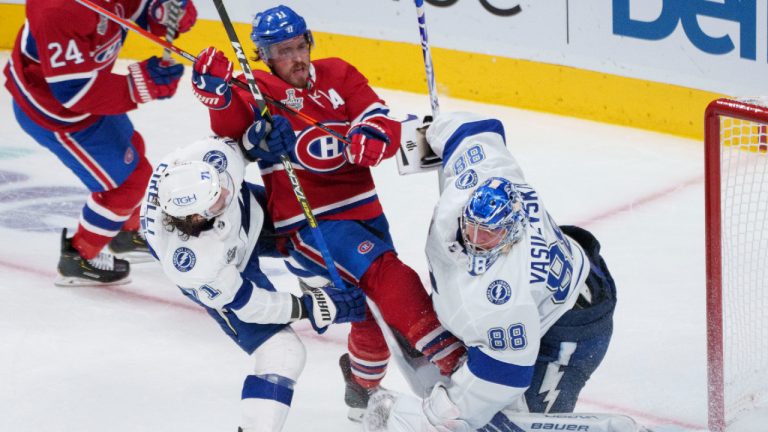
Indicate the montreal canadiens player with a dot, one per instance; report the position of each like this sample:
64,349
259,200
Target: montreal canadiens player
203,223
337,181
532,301
67,98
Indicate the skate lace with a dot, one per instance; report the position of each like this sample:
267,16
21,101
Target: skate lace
103,261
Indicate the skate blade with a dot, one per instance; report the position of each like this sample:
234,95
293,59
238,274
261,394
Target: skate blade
356,414
68,281
135,257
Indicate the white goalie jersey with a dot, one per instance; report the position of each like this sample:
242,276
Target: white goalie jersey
501,314
209,266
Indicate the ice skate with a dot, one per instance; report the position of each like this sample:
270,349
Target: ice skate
131,246
102,270
355,396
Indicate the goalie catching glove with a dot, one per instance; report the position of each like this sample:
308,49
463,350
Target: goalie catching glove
329,305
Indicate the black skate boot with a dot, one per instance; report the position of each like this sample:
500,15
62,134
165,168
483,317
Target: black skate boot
130,246
104,269
355,396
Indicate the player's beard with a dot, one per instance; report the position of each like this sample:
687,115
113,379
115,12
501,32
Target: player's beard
298,75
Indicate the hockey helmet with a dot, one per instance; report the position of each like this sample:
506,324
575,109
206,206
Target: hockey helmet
492,220
195,187
276,25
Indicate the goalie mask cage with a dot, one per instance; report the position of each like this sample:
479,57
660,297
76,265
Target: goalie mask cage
736,197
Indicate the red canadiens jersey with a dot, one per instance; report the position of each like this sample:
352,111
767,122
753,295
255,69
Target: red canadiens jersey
339,97
60,68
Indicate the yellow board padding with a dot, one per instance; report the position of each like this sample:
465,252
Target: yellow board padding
478,77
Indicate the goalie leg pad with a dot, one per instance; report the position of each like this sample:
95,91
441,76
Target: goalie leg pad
576,344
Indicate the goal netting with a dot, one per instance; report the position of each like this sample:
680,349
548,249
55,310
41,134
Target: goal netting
736,169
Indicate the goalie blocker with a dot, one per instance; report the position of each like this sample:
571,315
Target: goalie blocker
415,155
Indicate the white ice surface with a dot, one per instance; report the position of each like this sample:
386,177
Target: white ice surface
143,358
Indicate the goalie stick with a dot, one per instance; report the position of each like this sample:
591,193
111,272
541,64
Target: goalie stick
187,56
415,154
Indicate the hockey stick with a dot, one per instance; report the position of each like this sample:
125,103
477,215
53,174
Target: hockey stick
429,71
174,15
297,189
415,154
428,68
187,56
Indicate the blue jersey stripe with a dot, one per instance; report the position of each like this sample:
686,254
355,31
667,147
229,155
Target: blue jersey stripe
488,368
256,387
469,129
101,221
64,91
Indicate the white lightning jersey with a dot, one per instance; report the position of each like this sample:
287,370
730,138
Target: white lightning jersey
209,266
501,314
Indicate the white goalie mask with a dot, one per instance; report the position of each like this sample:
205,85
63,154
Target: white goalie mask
195,187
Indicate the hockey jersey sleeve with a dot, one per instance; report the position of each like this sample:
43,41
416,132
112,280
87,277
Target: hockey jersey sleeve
248,299
78,73
499,366
472,144
364,105
233,120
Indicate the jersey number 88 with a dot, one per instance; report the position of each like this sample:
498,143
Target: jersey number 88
513,337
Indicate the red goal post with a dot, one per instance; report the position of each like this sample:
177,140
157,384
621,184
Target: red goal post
736,218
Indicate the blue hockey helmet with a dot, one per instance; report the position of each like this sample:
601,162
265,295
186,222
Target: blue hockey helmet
492,220
276,25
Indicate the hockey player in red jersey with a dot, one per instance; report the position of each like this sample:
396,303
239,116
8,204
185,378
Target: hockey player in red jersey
337,181
66,97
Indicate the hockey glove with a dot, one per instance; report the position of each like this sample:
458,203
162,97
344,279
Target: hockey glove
368,144
152,79
268,143
160,16
210,77
325,306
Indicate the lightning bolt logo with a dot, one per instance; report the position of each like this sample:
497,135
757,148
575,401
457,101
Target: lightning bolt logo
553,375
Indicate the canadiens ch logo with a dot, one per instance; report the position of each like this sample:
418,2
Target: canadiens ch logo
467,180
499,292
128,156
109,50
217,159
292,101
317,150
365,247
184,259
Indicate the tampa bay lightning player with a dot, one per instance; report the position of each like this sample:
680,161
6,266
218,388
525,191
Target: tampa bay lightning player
532,301
203,223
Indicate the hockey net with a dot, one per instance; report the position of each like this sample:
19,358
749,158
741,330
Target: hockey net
736,169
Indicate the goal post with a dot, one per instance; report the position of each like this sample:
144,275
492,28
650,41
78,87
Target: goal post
736,219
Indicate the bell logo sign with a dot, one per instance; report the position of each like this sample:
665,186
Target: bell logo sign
740,12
